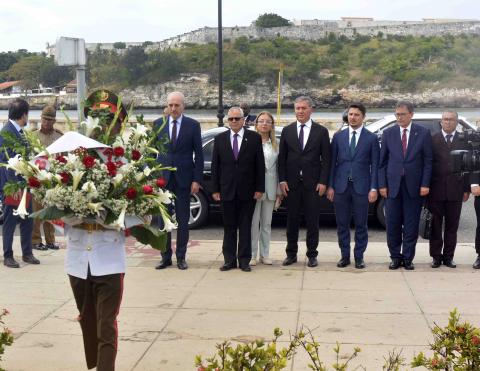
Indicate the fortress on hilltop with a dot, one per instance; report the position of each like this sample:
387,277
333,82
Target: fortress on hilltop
313,29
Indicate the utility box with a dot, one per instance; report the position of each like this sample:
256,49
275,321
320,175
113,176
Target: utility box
70,51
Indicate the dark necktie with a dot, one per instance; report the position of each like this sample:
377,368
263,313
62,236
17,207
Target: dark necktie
353,143
449,140
300,136
174,132
235,146
404,142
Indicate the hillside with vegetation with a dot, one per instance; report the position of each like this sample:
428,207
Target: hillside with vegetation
403,64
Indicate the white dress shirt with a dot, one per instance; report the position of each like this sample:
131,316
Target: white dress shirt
239,138
409,128
306,131
445,135
357,135
103,251
14,123
170,125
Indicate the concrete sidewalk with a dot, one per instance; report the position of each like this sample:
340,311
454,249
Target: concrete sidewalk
169,316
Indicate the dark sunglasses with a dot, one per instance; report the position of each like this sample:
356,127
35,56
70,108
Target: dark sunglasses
231,119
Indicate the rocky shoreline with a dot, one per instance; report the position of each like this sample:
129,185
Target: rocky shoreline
201,94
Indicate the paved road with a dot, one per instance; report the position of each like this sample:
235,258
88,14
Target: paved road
214,229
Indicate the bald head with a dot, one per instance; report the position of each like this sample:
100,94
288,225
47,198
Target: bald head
176,104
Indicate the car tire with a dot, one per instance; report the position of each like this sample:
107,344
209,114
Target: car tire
381,212
198,210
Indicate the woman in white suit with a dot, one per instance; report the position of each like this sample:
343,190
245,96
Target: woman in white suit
262,217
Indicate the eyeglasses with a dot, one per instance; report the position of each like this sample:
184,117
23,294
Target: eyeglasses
264,122
231,119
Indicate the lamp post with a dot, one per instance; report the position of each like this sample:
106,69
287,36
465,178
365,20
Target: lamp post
220,113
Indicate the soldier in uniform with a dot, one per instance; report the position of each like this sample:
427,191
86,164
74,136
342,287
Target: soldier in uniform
47,134
95,263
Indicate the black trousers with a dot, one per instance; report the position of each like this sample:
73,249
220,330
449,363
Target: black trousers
477,233
237,215
306,200
448,211
98,301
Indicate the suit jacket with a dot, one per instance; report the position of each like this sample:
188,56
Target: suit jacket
362,167
447,185
239,178
186,155
416,166
313,162
5,154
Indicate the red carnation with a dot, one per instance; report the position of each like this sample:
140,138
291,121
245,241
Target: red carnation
118,151
65,177
475,340
89,161
161,182
131,193
136,155
112,168
61,159
107,151
147,189
33,182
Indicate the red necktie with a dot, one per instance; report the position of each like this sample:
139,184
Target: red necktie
404,142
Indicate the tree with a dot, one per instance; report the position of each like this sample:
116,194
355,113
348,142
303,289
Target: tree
28,70
119,45
269,20
134,61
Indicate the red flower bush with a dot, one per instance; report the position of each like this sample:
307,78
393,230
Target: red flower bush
131,193
118,151
61,159
147,189
65,177
89,161
161,182
33,182
136,155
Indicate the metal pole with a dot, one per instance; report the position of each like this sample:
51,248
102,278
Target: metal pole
220,114
80,92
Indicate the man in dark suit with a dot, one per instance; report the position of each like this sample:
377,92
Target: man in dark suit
17,120
447,191
238,177
184,152
404,174
303,170
475,188
353,182
249,120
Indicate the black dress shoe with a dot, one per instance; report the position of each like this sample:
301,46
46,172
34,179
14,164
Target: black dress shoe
289,260
436,263
52,246
395,264
164,264
39,246
343,262
227,267
246,268
359,264
476,265
30,259
449,263
312,262
10,263
182,264
408,265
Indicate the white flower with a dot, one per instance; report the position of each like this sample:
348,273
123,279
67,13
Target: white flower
76,177
117,180
95,207
90,188
139,177
168,225
120,222
72,158
22,207
165,197
18,165
147,171
43,175
90,125
139,131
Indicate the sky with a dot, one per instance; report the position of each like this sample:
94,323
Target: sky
31,24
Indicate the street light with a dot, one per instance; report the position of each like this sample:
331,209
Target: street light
220,113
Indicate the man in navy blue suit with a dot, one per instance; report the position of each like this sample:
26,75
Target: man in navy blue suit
353,182
17,119
184,152
404,174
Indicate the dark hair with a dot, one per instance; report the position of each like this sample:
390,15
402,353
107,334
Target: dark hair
358,106
17,109
404,103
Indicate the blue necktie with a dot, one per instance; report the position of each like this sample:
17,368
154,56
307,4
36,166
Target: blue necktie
353,144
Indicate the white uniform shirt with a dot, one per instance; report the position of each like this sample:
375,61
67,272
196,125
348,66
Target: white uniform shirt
103,251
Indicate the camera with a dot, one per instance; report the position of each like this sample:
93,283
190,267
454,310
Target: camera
467,161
